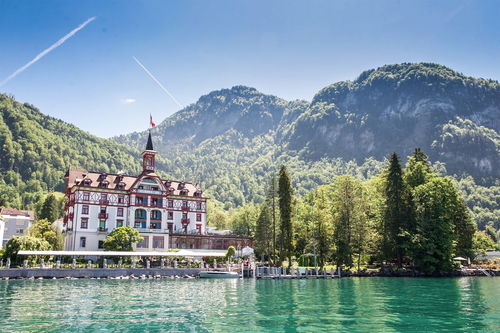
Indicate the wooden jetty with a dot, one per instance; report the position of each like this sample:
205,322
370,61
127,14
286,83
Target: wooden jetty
294,273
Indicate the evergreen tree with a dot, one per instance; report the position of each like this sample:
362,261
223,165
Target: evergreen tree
322,226
398,214
464,228
263,241
272,202
285,192
50,208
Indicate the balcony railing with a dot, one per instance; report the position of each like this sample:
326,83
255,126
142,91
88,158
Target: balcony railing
103,202
156,204
101,229
155,218
141,204
102,215
185,221
185,208
156,231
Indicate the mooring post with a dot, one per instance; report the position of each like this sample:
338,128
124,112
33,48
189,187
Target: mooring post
89,264
104,263
339,270
324,272
42,263
162,263
133,263
148,264
120,263
58,264
73,263
7,263
175,263
25,263
332,272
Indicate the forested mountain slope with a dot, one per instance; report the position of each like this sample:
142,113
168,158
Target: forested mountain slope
36,150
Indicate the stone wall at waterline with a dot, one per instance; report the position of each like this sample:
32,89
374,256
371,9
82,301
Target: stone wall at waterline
14,273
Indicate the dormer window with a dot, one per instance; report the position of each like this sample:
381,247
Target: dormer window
198,193
120,186
102,176
87,182
184,191
180,186
168,183
104,184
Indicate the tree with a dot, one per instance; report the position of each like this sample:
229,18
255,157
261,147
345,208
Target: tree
231,251
285,192
464,228
483,243
18,243
491,233
322,224
399,213
50,208
435,203
263,232
45,230
243,220
272,202
122,239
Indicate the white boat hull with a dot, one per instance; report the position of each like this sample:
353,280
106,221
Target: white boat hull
218,275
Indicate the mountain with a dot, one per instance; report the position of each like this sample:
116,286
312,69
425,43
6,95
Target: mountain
455,118
36,150
234,140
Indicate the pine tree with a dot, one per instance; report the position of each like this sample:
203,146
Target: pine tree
50,208
398,214
285,192
263,233
272,203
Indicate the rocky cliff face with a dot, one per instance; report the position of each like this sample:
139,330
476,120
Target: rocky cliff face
395,108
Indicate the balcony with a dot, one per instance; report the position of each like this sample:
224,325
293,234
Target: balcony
185,208
101,229
102,216
149,230
141,204
185,221
156,205
103,202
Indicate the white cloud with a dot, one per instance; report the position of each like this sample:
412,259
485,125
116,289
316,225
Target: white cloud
128,100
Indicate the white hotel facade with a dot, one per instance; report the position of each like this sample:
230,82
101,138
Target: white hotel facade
99,202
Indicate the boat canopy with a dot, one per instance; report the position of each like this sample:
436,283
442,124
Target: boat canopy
180,253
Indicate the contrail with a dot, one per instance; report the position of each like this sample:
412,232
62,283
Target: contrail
44,52
158,82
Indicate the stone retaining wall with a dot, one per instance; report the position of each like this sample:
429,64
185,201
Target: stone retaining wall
49,273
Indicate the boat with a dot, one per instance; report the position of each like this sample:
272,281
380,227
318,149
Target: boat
218,275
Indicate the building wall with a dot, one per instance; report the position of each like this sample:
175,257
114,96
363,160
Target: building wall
15,225
2,228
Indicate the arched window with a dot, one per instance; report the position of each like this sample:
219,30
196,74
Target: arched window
140,214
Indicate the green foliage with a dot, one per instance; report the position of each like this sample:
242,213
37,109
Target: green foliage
285,193
122,239
243,220
231,251
483,243
50,209
44,229
18,243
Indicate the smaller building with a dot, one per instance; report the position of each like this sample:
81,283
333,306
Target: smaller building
2,227
15,222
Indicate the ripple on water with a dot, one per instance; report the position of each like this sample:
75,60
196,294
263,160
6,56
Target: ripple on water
357,304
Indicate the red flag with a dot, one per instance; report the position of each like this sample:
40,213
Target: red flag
153,125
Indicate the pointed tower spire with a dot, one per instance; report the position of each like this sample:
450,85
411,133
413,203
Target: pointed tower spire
148,156
149,145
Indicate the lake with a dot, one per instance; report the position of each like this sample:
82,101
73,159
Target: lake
349,304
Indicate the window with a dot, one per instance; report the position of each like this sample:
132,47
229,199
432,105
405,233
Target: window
170,203
141,187
158,243
86,196
155,215
121,199
103,210
85,223
140,214
85,210
154,188
144,243
198,217
100,244
141,200
19,231
184,204
198,228
83,241
119,212
119,223
184,215
170,215
170,228
198,205
155,225
103,184
102,224
104,196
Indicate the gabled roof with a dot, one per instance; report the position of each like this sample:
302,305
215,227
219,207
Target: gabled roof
76,177
17,212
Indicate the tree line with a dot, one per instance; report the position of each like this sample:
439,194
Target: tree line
403,216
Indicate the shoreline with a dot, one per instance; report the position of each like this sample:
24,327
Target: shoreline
191,273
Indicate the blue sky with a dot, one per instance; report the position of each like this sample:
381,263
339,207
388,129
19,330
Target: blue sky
287,48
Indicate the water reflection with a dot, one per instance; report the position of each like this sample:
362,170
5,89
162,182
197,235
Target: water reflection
370,304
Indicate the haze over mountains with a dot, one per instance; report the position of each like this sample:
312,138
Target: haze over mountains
233,140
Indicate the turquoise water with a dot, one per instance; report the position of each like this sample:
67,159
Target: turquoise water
351,304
